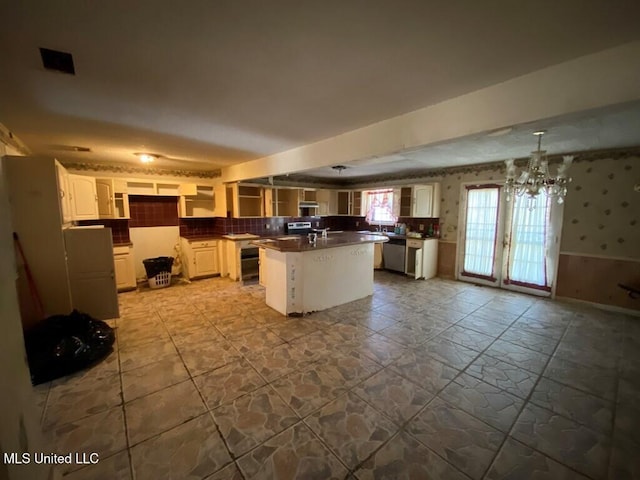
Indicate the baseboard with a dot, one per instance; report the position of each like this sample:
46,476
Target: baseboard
602,306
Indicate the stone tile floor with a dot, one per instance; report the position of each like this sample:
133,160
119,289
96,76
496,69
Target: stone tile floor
426,379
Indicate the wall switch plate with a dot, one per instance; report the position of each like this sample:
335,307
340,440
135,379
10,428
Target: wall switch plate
421,227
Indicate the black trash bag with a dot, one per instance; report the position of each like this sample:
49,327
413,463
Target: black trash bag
154,266
63,344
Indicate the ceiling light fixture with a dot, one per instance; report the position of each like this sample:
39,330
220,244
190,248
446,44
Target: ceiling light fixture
339,168
146,157
536,177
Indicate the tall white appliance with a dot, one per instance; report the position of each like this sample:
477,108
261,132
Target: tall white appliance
70,267
91,271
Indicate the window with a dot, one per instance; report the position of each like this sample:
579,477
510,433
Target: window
380,207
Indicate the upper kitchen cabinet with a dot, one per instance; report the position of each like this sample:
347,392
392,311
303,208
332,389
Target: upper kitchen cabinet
349,203
148,187
63,190
113,201
356,203
245,200
197,201
281,202
344,202
83,197
420,201
327,202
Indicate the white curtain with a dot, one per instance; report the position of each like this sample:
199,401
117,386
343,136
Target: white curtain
528,241
380,207
481,230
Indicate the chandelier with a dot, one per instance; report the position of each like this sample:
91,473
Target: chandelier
536,177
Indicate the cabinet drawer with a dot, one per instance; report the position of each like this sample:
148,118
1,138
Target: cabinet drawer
414,243
204,244
121,250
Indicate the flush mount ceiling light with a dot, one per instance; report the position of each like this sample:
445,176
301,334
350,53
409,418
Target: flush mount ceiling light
146,157
536,177
339,168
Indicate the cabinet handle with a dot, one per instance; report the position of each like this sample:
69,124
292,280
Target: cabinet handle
61,193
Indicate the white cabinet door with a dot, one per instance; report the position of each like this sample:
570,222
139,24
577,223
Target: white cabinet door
124,270
84,199
91,271
205,261
377,255
262,271
423,201
63,188
106,203
430,258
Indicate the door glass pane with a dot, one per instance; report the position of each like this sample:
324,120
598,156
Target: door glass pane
481,230
528,241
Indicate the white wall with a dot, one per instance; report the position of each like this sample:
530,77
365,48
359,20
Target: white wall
20,431
149,242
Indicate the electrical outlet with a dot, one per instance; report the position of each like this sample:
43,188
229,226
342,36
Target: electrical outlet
317,224
267,226
421,227
357,224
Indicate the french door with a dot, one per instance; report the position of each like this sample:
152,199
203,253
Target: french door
508,244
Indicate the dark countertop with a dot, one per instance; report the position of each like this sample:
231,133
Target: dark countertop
295,243
197,238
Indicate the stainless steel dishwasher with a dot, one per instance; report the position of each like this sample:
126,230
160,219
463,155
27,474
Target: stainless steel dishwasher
393,254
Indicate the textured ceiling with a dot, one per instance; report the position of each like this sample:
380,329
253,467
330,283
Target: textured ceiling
611,128
212,83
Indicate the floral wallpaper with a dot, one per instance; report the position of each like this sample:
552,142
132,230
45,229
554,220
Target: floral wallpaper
601,213
450,197
602,209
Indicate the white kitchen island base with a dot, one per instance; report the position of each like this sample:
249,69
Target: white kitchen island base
299,282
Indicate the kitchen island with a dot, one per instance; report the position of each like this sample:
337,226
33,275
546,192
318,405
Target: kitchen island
304,277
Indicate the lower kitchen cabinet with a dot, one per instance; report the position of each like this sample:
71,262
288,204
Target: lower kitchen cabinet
200,258
421,257
242,258
124,268
377,255
261,267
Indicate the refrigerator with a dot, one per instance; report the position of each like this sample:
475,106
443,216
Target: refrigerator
91,271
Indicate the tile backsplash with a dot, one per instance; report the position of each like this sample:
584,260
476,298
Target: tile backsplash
119,228
277,225
153,211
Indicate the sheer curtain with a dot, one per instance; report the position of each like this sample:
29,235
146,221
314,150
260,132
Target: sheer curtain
380,207
528,242
481,230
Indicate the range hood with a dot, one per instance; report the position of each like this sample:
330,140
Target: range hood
306,204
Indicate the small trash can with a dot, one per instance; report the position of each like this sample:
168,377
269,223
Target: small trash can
158,271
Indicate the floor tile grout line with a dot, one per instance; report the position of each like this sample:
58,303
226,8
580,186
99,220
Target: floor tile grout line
124,413
614,416
207,410
499,337
525,403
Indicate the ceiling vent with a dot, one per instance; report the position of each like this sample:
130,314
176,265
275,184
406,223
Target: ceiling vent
58,61
70,148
